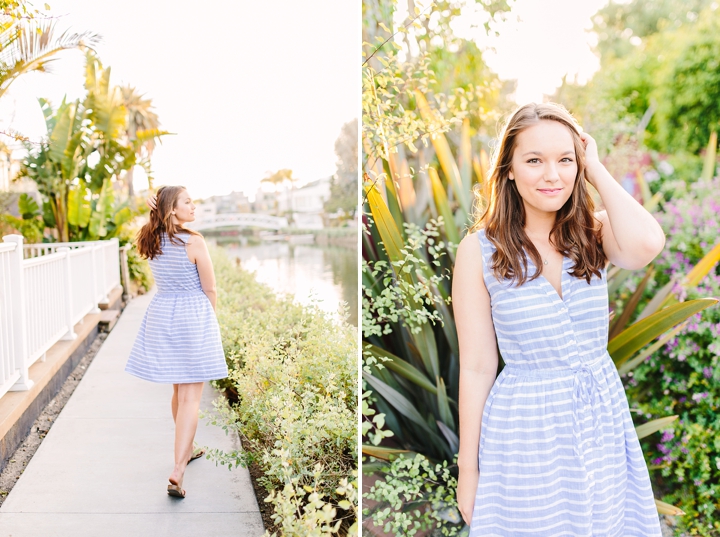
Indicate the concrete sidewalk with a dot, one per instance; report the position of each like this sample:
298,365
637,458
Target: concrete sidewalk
103,467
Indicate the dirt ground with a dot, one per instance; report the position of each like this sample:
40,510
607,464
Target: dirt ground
266,509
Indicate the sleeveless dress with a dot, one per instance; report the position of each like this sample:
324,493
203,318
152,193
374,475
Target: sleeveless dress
179,338
558,453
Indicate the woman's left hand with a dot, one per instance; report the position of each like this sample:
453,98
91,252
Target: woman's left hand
592,160
631,236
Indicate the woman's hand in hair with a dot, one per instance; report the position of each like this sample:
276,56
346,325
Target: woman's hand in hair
631,236
592,160
152,202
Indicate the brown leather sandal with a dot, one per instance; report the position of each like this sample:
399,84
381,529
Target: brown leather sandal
175,490
197,454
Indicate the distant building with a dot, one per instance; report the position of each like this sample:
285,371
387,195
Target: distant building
4,169
311,197
306,204
205,211
264,202
10,163
235,202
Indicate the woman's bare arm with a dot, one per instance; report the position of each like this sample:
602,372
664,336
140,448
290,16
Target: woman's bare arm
632,237
198,253
478,362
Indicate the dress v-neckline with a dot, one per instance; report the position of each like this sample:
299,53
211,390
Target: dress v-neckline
562,295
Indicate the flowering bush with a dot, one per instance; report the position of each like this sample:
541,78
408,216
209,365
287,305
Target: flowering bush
293,391
683,376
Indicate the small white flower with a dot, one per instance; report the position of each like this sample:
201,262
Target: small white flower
665,167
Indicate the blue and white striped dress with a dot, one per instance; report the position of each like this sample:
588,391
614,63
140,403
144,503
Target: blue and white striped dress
179,338
558,452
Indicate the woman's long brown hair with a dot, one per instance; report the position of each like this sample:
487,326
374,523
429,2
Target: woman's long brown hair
576,233
149,237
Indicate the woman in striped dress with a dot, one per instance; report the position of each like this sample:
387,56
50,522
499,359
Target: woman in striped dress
548,448
179,339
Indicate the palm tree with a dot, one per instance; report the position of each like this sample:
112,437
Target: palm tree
29,46
278,178
141,120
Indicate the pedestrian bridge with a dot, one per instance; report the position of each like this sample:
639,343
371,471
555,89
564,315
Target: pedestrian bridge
264,221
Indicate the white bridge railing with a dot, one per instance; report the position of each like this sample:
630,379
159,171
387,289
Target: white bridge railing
265,221
45,289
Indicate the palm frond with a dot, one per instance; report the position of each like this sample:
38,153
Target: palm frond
141,118
30,46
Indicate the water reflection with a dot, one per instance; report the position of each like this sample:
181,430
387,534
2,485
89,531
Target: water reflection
325,274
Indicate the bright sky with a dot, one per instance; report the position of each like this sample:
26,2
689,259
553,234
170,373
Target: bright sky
248,87
543,41
540,42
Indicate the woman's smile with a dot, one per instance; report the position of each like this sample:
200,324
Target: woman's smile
550,191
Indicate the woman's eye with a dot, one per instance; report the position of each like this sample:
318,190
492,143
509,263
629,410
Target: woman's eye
533,161
567,159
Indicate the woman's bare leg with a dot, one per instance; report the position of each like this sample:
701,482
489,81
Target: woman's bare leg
186,420
174,402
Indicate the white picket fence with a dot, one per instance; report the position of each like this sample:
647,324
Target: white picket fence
45,289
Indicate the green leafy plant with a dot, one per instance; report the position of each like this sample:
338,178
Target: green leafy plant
292,398
679,376
30,223
88,148
419,497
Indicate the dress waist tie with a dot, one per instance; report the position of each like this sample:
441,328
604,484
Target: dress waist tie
586,392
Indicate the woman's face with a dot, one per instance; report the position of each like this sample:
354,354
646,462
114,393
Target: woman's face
544,166
184,210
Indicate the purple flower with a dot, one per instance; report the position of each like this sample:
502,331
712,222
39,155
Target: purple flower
707,372
663,449
667,435
698,396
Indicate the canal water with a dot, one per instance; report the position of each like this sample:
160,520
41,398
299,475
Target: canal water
326,275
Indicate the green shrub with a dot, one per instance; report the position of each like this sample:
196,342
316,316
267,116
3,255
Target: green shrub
141,278
139,271
416,496
292,391
683,376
